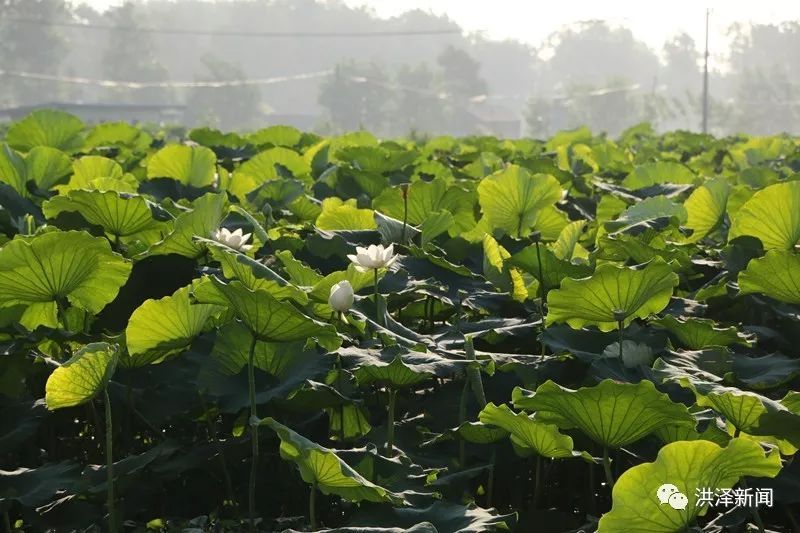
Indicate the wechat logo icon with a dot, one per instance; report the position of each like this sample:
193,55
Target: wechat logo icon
669,494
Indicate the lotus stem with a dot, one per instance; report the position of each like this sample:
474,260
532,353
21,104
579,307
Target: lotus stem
377,309
112,513
474,374
542,288
542,293
390,423
754,510
251,381
462,417
607,468
339,373
620,327
405,217
592,498
537,488
490,481
312,506
7,521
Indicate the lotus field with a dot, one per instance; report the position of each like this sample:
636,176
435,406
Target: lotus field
277,331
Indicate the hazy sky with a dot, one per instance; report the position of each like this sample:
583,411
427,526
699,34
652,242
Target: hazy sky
531,21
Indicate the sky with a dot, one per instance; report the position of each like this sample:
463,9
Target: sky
531,22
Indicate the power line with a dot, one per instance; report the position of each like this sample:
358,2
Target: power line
162,84
235,33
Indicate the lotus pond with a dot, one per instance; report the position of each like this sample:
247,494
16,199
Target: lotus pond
276,331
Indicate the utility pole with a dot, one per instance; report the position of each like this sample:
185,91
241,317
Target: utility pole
705,80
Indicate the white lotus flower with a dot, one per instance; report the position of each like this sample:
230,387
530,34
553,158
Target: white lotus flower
633,353
342,296
232,239
373,257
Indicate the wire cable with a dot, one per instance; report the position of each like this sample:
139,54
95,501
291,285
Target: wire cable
235,33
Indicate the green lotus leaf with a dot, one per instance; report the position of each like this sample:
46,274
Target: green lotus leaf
12,170
291,362
42,166
322,468
475,432
712,432
82,377
610,413
190,165
772,215
721,365
46,127
276,136
46,166
264,166
42,272
202,220
118,134
610,293
253,274
705,208
623,248
426,198
512,199
756,150
656,213
443,515
698,333
750,413
339,215
437,223
159,328
496,271
35,487
359,280
397,374
567,247
95,172
689,465
552,270
656,173
422,527
120,215
299,272
776,275
265,316
348,422
758,177
792,401
90,167
375,159
528,435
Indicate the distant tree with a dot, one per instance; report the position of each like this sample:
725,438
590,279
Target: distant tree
460,75
228,108
595,52
461,83
596,75
25,47
357,96
764,78
681,72
130,55
418,101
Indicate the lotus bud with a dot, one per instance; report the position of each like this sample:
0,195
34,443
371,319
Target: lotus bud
341,297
